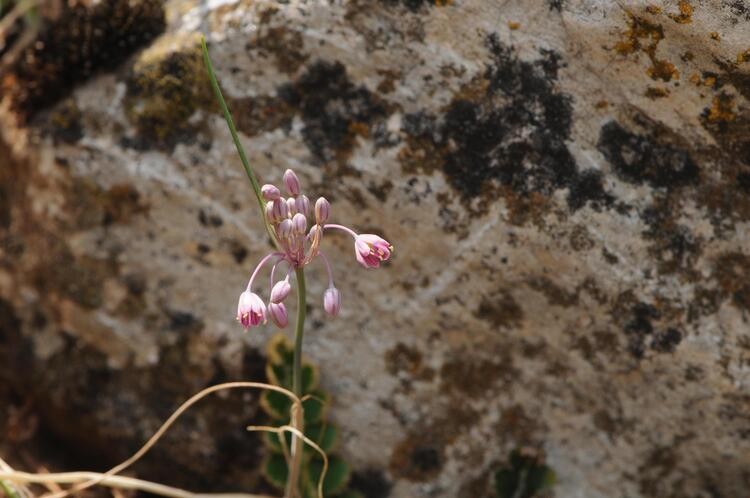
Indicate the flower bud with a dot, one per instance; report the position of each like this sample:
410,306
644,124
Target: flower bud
291,182
280,291
271,214
332,301
291,206
303,205
280,208
300,224
285,228
322,210
278,314
270,192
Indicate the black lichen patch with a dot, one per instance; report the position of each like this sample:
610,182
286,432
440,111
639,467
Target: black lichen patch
63,123
732,275
333,109
163,92
407,360
472,377
556,5
640,159
501,310
667,340
555,294
82,40
417,5
642,324
284,45
739,8
505,135
372,483
417,459
639,326
673,245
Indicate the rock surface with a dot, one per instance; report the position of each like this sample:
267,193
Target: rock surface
566,182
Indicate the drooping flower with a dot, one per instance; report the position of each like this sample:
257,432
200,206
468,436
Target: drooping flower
251,311
371,249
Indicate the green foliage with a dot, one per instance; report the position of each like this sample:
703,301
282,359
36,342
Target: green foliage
526,476
277,406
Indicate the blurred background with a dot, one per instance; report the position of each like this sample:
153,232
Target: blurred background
566,183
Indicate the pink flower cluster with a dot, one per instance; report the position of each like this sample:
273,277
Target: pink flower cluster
290,217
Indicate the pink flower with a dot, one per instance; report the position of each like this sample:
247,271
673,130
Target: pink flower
371,249
251,311
279,315
332,301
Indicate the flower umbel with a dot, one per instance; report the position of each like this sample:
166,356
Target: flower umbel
299,231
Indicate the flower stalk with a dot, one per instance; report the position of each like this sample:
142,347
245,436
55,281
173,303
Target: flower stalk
297,229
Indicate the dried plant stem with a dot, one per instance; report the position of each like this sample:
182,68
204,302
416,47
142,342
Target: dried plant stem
171,420
119,482
297,415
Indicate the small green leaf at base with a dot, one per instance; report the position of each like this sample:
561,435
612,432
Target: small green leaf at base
336,478
275,470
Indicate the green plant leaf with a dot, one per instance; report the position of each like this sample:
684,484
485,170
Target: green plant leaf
235,137
310,375
506,483
336,478
325,435
315,407
276,404
275,470
540,478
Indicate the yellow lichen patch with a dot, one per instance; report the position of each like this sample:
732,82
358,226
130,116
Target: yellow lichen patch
165,87
709,81
695,79
743,56
663,70
513,25
656,92
686,13
715,35
722,109
644,36
653,9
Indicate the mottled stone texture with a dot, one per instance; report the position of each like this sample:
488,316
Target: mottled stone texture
567,184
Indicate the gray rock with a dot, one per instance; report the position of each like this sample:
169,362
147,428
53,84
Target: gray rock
566,183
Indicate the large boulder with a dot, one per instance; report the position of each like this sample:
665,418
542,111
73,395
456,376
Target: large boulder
566,183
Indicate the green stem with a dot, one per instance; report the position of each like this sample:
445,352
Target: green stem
299,331
298,418
236,138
